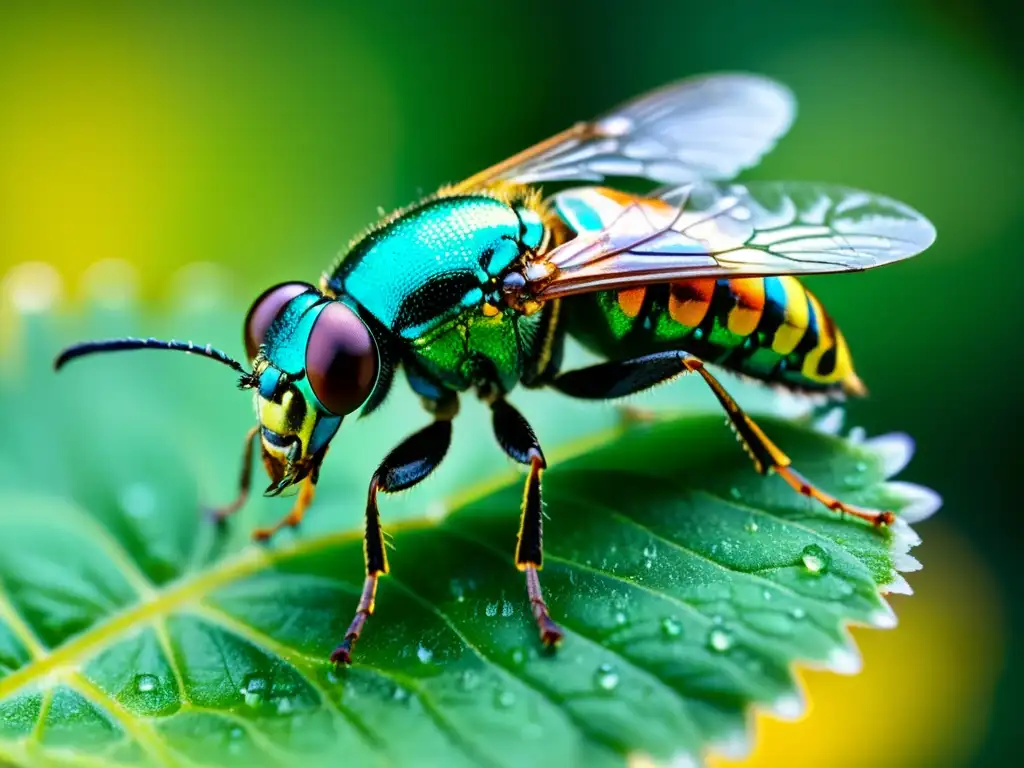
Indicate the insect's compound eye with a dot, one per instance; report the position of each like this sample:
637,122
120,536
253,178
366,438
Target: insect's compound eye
341,359
264,311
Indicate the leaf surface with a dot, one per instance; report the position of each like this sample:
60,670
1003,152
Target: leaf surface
688,585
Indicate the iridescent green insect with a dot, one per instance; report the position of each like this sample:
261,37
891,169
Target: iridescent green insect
476,288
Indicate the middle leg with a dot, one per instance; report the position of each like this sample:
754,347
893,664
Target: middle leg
517,439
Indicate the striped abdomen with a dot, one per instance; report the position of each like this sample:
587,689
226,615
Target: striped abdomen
769,328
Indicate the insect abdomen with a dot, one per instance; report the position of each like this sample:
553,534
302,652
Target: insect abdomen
769,328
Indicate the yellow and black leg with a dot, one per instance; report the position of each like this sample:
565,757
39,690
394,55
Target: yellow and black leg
517,439
220,515
617,379
406,465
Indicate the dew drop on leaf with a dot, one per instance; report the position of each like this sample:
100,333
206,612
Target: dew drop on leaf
146,683
816,560
254,689
750,527
650,551
517,656
491,609
735,493
606,677
400,694
671,627
506,699
424,654
798,613
138,500
719,640
620,618
468,680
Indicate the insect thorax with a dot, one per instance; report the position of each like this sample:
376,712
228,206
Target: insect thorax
430,275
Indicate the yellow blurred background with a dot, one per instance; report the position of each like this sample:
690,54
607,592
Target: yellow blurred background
151,149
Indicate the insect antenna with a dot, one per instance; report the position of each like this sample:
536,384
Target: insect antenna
130,343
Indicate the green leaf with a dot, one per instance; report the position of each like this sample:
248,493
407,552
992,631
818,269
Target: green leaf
688,585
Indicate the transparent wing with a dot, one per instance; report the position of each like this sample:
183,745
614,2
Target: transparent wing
723,230
708,127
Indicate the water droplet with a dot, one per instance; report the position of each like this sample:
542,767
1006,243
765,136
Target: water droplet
671,627
506,608
767,595
254,689
424,654
750,527
815,559
650,551
138,500
620,618
735,493
861,466
146,683
798,613
719,640
517,656
400,694
648,564
491,609
506,699
606,677
740,213
285,706
236,733
468,680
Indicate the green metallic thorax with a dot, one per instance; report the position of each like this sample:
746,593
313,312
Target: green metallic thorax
430,278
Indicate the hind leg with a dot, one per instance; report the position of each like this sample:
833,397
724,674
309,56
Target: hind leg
626,377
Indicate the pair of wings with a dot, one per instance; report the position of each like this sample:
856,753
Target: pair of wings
694,135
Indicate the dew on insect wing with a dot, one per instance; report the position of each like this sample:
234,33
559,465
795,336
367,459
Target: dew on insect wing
254,689
719,640
138,500
815,559
505,699
424,654
606,677
740,213
671,627
146,683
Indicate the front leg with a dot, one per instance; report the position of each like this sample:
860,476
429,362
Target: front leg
517,439
406,465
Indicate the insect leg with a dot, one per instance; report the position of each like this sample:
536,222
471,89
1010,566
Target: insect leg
415,458
517,439
616,379
306,492
220,514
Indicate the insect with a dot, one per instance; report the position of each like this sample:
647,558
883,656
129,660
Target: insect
476,288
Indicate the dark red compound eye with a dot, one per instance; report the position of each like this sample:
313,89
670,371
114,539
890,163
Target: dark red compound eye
341,359
265,310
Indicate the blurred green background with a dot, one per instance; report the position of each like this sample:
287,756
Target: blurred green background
164,152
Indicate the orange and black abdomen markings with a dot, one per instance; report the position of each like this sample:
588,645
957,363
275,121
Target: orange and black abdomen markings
689,302
768,328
